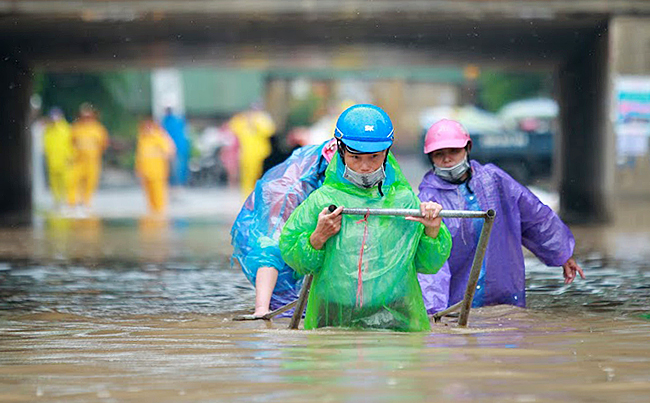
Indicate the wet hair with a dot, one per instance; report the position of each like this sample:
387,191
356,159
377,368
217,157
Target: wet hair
342,147
467,148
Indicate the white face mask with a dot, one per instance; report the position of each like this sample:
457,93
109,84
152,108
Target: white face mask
453,174
365,181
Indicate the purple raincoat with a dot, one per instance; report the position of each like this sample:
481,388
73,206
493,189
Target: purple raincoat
521,219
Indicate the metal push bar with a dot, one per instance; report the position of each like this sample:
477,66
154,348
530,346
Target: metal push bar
268,315
466,304
414,212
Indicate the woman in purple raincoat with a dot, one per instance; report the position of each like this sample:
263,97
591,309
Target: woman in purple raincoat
521,219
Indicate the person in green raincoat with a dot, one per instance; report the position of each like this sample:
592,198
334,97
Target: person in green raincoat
365,270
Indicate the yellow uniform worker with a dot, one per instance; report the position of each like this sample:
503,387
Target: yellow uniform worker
154,150
89,139
254,130
59,155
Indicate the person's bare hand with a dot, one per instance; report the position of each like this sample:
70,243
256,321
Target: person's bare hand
329,224
431,219
570,268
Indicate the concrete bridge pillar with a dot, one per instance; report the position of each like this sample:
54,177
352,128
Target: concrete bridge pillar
15,141
586,153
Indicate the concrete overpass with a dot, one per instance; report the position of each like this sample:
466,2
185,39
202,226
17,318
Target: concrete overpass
585,42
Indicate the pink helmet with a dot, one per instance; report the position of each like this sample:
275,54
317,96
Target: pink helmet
446,133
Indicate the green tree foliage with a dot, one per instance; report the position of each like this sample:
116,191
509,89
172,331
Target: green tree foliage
499,88
105,91
303,112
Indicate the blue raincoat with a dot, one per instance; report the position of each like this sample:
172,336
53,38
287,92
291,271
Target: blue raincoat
175,127
256,231
521,219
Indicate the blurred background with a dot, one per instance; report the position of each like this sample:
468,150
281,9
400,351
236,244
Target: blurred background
556,95
171,110
511,115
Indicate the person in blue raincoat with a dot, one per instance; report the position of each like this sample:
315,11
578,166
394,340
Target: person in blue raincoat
521,219
256,230
175,127
364,270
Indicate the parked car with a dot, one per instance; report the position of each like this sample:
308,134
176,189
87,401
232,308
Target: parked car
520,143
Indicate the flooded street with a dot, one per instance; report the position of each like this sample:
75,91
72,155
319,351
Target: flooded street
133,310
507,355
133,130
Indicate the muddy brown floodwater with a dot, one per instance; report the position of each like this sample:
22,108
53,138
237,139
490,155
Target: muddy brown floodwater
139,311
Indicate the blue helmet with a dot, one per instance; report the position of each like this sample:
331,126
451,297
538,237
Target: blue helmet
364,128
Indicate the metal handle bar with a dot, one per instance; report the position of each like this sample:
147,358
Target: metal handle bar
414,212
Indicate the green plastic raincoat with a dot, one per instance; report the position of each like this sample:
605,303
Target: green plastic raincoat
393,251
